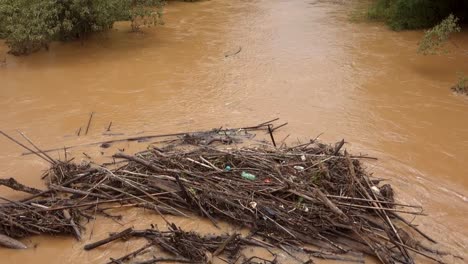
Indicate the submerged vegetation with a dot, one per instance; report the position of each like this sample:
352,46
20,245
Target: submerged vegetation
434,41
435,38
442,18
30,25
461,86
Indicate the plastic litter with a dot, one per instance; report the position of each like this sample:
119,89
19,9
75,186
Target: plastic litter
227,168
375,190
248,176
299,168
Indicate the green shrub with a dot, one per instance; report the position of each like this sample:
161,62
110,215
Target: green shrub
3,18
145,13
462,84
435,38
416,14
381,10
29,25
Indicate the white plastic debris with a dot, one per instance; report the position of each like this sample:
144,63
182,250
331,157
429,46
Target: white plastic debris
303,158
253,205
375,190
299,168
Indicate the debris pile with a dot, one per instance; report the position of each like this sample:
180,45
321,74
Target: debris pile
288,197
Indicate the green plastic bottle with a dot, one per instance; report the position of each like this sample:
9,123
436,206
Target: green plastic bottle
248,176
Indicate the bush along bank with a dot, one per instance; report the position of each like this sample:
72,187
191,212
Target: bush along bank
30,25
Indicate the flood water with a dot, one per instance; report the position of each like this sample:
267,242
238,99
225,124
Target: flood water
300,60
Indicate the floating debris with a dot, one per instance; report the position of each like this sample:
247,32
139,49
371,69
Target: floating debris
289,197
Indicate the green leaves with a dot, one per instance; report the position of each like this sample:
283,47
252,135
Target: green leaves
435,38
416,14
461,86
145,12
29,25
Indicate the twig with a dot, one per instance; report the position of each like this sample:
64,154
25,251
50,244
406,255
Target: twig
221,247
111,238
66,214
271,135
13,184
138,138
109,127
235,53
89,122
38,149
27,148
130,255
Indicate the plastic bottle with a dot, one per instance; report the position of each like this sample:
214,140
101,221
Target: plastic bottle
248,176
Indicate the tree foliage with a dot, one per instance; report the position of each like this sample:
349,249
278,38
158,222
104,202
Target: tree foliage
416,14
29,25
435,38
462,84
145,13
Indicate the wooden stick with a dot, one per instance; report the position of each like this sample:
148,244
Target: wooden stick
381,212
13,184
67,215
271,135
278,127
370,200
415,228
9,242
38,149
172,260
19,143
89,122
137,138
75,191
379,208
111,238
221,247
137,160
129,255
267,122
338,147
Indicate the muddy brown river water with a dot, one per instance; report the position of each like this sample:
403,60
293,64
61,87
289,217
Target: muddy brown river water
300,60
